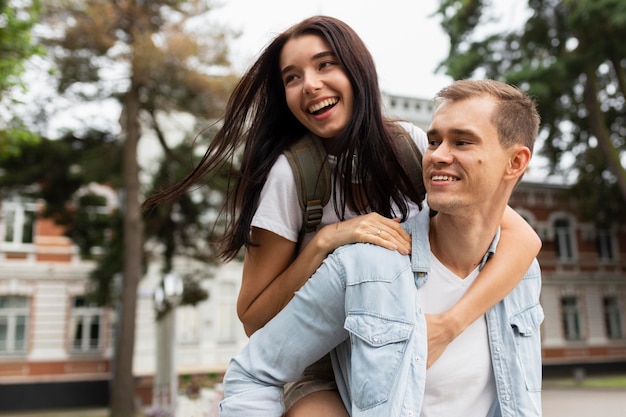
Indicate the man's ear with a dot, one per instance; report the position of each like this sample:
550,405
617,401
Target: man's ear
518,161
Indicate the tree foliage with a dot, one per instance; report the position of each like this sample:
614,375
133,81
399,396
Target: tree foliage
16,43
16,46
570,55
186,225
61,166
154,56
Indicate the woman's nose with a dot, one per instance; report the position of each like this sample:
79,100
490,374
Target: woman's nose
312,83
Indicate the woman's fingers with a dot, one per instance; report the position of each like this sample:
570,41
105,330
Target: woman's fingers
373,228
385,232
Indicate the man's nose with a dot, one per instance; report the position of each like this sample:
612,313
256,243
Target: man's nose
442,153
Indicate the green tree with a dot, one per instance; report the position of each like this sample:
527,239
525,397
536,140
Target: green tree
570,55
16,46
60,167
155,56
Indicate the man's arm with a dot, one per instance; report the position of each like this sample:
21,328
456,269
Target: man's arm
309,326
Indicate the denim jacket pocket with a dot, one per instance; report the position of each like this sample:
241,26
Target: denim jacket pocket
526,327
378,346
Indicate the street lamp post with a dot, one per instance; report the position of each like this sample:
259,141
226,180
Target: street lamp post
165,389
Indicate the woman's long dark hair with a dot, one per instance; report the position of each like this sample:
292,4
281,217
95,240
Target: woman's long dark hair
257,118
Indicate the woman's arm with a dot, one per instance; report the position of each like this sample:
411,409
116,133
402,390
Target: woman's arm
279,352
518,246
270,278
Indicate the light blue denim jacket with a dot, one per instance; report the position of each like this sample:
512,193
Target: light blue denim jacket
362,304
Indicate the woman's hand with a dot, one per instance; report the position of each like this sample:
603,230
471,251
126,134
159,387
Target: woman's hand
367,228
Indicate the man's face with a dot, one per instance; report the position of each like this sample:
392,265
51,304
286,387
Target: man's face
464,163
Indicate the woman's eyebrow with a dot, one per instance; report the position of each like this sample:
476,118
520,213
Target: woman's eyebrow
323,54
318,55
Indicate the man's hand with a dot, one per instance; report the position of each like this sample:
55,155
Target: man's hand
441,330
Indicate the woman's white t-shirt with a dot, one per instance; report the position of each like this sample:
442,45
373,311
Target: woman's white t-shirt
279,210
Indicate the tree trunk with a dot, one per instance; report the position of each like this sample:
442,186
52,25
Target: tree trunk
598,127
123,386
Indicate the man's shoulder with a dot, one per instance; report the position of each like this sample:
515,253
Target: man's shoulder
368,259
533,272
527,292
367,249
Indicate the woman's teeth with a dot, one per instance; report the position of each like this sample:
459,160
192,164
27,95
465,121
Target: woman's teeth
322,104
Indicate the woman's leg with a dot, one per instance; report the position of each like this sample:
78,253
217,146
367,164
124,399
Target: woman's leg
318,404
315,394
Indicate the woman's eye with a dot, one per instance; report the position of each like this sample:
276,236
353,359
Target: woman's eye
288,78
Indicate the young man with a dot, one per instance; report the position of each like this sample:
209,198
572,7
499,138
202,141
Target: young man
367,304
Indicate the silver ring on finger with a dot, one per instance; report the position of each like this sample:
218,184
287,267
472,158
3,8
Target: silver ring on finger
378,232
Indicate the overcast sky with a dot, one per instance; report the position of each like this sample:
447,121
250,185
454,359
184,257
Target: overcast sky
406,43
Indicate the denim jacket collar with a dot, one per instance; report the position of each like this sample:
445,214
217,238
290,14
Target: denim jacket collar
420,246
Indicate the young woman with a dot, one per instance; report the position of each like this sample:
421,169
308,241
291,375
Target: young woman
319,77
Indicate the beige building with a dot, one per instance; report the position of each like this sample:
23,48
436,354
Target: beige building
51,339
584,278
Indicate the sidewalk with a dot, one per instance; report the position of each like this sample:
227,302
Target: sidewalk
95,412
583,402
557,402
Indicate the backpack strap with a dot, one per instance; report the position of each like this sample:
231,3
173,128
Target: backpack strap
307,158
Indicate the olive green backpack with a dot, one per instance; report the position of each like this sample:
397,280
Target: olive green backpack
307,158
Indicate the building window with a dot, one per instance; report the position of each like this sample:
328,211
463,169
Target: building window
86,325
604,243
563,239
93,224
187,324
13,324
571,318
18,222
227,313
612,318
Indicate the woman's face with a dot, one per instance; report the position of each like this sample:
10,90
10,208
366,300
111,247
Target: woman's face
317,89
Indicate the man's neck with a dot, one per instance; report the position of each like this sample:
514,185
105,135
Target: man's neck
461,243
